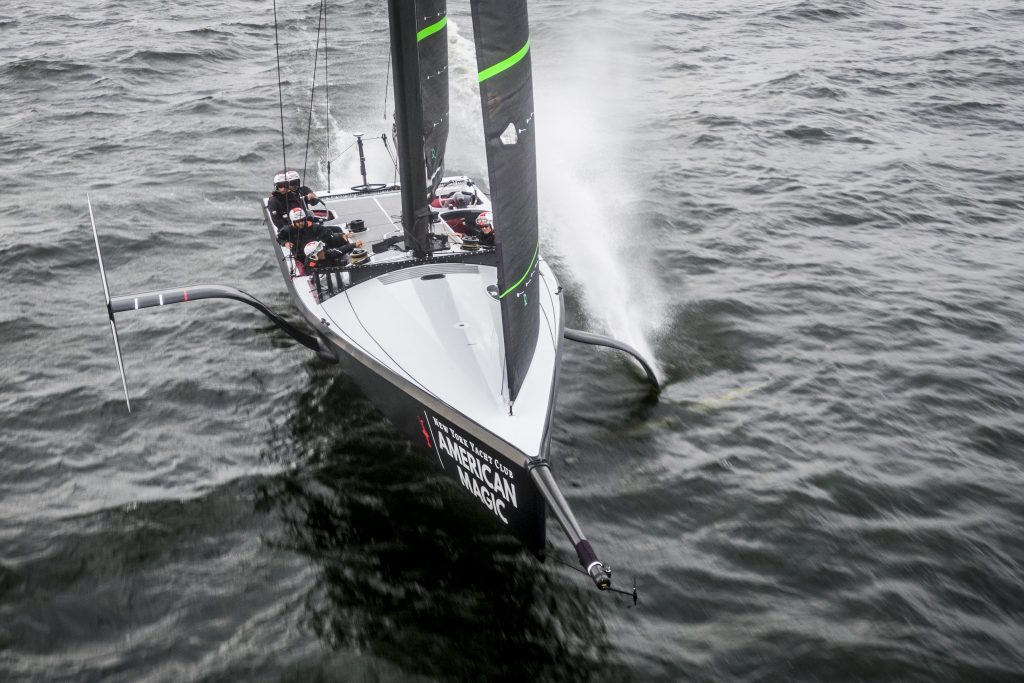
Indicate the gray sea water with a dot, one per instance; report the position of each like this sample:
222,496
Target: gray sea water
808,213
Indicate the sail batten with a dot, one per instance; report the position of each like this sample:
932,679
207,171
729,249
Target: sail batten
504,64
431,29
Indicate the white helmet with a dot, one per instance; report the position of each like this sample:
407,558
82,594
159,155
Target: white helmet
312,248
296,215
484,220
280,178
293,179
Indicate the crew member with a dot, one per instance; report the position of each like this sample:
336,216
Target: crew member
295,185
319,256
289,193
303,230
484,229
277,204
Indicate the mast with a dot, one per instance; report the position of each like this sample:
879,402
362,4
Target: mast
409,125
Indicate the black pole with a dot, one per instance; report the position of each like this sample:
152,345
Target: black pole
362,158
178,295
599,573
409,123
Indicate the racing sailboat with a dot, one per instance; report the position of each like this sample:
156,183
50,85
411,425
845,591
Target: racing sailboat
457,340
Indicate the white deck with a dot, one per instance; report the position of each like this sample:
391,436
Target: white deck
442,334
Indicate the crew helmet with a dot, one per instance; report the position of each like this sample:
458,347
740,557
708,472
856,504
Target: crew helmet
280,181
484,220
293,179
296,215
312,249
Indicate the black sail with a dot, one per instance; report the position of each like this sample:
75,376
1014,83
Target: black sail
502,36
432,46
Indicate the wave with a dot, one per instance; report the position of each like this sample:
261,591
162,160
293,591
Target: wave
33,69
819,11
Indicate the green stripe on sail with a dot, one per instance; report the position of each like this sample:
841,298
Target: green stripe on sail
529,268
504,64
432,29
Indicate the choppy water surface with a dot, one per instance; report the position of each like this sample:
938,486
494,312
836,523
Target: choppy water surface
808,213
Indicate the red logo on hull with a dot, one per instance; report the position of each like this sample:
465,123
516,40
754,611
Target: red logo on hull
426,434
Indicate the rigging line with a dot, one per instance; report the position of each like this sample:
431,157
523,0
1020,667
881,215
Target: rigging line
552,300
547,323
343,152
394,161
280,92
387,79
312,88
380,346
327,98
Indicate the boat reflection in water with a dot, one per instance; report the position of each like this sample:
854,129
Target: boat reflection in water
408,567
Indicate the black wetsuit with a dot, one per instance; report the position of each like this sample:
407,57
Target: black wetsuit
300,237
331,235
280,204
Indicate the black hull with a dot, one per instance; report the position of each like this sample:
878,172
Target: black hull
493,472
499,483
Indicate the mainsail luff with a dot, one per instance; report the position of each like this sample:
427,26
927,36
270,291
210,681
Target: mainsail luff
432,46
409,124
502,37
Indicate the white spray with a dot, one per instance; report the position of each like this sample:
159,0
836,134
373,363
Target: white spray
589,204
466,127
